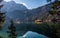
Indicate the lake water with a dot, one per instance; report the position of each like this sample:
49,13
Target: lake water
21,29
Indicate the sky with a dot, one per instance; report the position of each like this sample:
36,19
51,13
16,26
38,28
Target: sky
30,4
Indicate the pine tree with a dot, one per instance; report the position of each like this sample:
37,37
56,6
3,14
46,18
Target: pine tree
12,30
1,37
2,16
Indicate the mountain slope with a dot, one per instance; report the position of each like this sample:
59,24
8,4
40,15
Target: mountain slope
20,11
14,10
11,6
39,13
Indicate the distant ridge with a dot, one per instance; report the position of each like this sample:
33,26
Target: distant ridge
11,6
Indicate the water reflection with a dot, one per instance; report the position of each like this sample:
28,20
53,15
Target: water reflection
24,27
31,34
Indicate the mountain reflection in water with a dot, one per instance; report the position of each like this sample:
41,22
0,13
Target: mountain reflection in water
22,28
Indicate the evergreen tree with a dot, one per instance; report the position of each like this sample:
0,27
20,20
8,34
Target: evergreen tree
1,37
12,30
2,16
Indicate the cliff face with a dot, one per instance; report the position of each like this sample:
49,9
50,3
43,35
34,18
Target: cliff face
44,12
39,13
54,12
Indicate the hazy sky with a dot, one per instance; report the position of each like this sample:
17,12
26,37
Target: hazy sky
31,3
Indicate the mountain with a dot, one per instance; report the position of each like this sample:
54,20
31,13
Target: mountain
30,15
19,11
14,10
39,13
11,6
17,14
